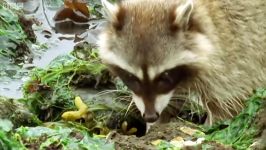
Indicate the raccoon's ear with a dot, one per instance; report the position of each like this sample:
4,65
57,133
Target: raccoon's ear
183,13
114,13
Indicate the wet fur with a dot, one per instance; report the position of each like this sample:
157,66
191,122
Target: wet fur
228,69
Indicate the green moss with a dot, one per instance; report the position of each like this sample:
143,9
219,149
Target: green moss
241,130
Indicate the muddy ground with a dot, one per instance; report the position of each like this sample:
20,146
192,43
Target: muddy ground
169,131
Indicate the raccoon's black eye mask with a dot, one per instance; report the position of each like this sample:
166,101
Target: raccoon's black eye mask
168,80
128,78
163,83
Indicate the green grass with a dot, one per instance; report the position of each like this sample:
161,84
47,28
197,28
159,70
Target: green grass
49,90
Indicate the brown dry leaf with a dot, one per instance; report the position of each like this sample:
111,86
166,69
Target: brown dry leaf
36,86
78,5
69,4
75,10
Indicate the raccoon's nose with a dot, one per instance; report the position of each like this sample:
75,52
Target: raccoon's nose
151,117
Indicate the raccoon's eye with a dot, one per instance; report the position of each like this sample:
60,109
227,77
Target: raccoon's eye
131,81
165,82
170,78
165,78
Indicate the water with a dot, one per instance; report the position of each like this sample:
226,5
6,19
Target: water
12,76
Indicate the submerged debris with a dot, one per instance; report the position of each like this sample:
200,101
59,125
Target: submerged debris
76,11
74,14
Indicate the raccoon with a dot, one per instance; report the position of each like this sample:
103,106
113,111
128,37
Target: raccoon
211,51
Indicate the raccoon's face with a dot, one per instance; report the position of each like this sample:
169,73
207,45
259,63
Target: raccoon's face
154,47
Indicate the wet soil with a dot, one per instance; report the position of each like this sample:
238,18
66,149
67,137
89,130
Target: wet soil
171,130
166,131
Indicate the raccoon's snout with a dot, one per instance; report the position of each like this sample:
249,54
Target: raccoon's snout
151,117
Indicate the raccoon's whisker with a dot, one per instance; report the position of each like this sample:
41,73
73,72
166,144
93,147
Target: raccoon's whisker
106,92
172,105
177,97
129,106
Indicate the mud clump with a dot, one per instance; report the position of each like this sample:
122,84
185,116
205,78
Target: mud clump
26,25
16,112
22,51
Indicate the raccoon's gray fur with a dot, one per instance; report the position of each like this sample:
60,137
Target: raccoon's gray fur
213,51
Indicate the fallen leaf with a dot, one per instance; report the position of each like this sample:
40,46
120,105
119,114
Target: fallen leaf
156,142
75,10
81,6
178,138
189,130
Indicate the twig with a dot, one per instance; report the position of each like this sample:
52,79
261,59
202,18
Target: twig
46,17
